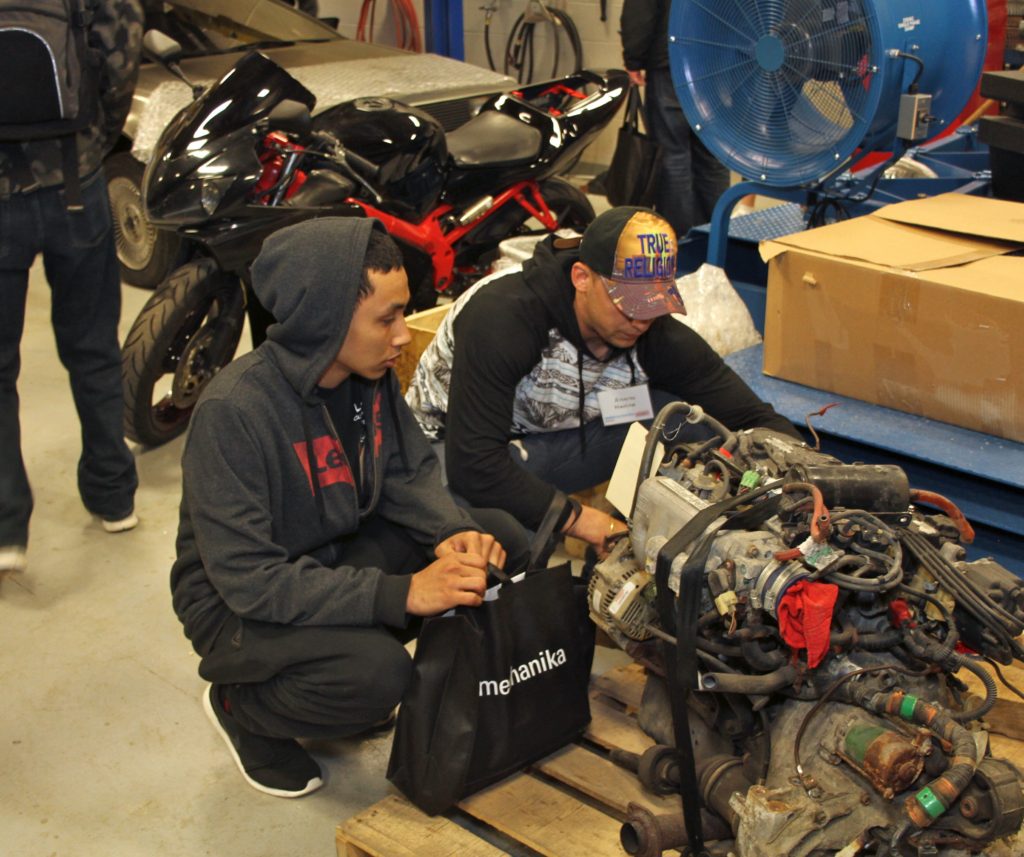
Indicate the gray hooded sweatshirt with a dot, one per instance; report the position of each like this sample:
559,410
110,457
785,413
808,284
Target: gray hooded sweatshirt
259,527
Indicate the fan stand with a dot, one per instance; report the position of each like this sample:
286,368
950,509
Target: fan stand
719,236
958,162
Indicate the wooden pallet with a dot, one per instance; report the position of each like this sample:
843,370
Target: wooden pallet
571,804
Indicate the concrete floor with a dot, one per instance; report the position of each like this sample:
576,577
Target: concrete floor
105,748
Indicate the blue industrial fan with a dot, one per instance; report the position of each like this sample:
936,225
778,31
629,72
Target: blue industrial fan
785,92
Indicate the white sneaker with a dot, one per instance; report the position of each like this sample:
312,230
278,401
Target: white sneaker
122,525
12,558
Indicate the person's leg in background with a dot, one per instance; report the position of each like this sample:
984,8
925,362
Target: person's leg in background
675,199
82,269
18,248
710,179
572,460
508,531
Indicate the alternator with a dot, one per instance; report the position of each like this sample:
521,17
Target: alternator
622,597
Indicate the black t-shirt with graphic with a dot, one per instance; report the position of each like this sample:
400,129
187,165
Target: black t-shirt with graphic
348,407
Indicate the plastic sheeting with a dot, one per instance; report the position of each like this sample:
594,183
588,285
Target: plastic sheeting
716,311
412,78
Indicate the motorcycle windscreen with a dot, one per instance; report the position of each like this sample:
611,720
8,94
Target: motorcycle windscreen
243,96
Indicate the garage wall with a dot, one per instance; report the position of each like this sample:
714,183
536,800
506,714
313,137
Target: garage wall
600,41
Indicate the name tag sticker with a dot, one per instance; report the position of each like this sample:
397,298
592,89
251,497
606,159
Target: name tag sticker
625,405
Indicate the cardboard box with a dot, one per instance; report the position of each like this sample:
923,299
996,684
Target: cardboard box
422,325
916,307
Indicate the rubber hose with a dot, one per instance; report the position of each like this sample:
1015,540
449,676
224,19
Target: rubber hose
991,692
749,685
881,642
761,659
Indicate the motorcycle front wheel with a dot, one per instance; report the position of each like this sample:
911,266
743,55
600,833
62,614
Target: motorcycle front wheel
186,333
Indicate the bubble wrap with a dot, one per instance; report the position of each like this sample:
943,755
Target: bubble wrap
716,311
410,78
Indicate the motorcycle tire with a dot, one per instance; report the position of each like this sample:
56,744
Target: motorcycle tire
147,254
188,329
568,203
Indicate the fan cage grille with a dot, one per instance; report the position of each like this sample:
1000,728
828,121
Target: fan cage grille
780,90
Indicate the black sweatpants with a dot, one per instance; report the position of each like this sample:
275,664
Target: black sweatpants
332,681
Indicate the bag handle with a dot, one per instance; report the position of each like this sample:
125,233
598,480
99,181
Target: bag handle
541,540
498,574
539,545
634,104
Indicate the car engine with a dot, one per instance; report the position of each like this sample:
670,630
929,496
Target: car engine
801,621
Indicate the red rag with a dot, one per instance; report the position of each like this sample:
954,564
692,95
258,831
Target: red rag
805,617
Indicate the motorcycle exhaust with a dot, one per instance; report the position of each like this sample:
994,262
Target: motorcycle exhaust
477,209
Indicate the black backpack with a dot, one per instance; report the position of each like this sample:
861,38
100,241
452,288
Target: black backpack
50,77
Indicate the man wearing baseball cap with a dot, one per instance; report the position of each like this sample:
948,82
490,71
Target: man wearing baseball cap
533,377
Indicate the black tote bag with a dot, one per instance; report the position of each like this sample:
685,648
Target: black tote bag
494,688
633,174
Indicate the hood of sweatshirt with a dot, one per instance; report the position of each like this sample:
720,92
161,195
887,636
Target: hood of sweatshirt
307,275
548,274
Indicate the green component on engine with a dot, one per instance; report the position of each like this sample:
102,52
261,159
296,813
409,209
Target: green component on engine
907,707
750,479
858,738
930,803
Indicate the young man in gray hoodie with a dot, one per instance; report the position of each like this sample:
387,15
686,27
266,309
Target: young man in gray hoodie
313,519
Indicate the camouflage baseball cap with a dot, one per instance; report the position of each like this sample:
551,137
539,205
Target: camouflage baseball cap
634,250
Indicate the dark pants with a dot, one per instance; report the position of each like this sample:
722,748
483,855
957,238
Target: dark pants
560,458
328,681
81,268
691,177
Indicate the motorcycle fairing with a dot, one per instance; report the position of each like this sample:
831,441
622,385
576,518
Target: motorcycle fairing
225,114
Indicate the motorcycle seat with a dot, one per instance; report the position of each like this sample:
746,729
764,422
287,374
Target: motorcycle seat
491,138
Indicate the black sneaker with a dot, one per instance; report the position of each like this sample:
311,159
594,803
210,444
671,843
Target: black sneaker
275,766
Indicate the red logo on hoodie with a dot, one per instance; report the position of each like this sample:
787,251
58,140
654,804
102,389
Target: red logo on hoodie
331,466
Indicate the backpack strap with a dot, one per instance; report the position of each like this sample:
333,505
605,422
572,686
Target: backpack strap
80,18
69,166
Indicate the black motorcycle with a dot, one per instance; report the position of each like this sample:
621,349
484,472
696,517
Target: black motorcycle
247,158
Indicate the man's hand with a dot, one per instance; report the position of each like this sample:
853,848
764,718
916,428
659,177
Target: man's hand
471,541
637,76
597,528
454,580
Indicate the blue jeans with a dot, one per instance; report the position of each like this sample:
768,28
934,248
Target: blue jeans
692,179
81,267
